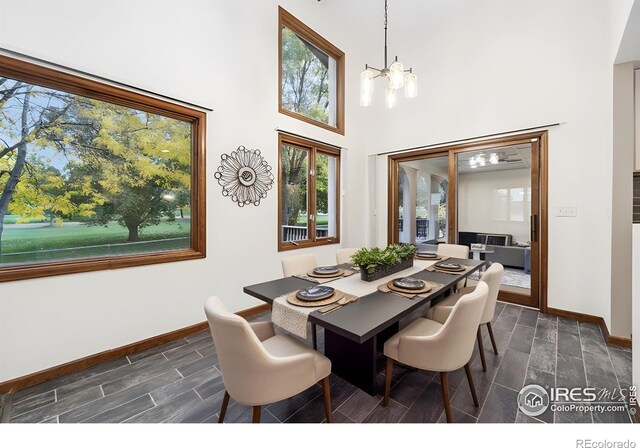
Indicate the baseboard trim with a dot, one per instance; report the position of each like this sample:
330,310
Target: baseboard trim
14,385
613,340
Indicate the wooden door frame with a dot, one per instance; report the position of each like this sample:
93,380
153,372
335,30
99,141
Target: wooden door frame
539,139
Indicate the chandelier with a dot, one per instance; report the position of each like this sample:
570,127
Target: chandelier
395,73
480,160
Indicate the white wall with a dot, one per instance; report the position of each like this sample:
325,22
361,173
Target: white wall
221,54
476,202
495,66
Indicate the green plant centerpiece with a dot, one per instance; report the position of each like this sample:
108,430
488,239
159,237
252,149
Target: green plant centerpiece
376,263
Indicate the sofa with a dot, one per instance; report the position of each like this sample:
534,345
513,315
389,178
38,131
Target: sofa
508,255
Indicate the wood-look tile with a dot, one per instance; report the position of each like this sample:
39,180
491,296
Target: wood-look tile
547,330
182,385
69,379
570,372
124,411
569,342
548,317
573,416
50,410
102,405
284,409
522,418
501,406
51,420
428,406
202,334
511,310
505,322
462,399
168,409
502,340
237,413
359,405
314,411
190,347
589,326
158,349
543,355
201,412
593,342
622,366
458,417
110,375
393,413
210,387
568,324
513,369
32,403
143,375
198,365
522,338
411,386
528,317
600,373
618,416
339,417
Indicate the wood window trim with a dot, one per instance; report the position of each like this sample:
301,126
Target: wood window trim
288,20
50,78
313,148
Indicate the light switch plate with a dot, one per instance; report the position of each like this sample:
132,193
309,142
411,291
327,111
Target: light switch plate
567,212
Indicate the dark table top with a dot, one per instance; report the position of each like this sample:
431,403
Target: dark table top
370,314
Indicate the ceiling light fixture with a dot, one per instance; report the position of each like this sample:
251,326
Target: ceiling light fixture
395,73
493,158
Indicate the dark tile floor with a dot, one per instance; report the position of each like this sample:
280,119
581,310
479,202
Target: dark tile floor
180,382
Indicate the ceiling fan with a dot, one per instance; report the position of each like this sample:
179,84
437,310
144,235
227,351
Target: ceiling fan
507,158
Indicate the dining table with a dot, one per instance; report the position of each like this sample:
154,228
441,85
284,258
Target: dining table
356,332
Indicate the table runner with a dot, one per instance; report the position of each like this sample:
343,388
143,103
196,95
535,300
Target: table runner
321,281
293,318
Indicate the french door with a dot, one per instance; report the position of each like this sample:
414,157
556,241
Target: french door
489,195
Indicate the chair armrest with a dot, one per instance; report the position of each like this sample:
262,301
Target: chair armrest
263,330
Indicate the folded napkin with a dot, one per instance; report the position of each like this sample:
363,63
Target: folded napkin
294,318
321,280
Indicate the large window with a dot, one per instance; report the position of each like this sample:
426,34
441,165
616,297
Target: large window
94,177
311,75
309,201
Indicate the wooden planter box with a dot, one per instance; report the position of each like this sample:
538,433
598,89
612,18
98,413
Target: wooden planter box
385,270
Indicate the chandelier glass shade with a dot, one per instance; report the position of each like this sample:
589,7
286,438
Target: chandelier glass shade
395,73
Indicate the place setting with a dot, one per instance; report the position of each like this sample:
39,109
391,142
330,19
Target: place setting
325,274
429,256
291,311
409,287
447,267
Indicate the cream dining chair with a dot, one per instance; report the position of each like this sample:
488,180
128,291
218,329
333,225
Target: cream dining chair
344,255
298,264
492,277
259,367
429,345
455,251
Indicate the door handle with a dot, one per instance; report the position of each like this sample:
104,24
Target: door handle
533,223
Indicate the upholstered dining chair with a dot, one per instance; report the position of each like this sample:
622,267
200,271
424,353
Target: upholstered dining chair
492,277
429,345
298,264
344,255
453,250
259,367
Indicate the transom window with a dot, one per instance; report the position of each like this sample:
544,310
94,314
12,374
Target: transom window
93,176
309,200
311,75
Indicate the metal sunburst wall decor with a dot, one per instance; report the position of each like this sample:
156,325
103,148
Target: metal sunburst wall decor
245,176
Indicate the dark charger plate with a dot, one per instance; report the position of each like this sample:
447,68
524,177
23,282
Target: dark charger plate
326,270
448,265
408,283
427,254
315,293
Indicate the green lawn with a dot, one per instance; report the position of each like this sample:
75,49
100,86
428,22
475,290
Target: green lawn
79,236
322,220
